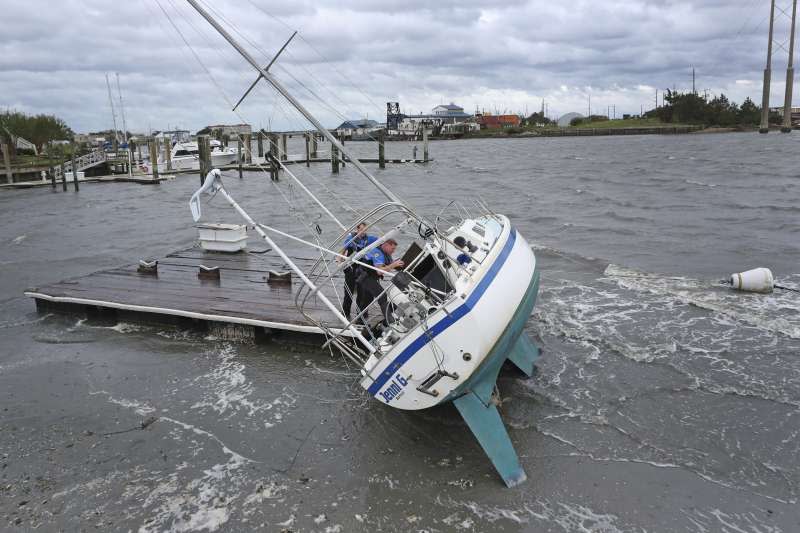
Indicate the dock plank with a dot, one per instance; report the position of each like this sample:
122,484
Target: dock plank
242,293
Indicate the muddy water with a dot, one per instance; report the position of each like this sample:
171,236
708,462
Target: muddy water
662,401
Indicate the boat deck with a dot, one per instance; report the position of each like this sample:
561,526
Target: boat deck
240,304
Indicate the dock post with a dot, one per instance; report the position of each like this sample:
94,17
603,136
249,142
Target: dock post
74,169
260,141
63,176
334,159
308,149
313,145
226,139
154,158
139,149
204,150
273,156
381,152
168,153
284,151
7,160
248,148
424,144
52,168
239,145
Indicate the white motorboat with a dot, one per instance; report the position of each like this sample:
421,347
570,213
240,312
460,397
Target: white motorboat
186,156
457,308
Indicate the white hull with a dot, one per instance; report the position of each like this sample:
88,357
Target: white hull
476,320
218,159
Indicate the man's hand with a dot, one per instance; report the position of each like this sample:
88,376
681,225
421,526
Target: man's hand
397,264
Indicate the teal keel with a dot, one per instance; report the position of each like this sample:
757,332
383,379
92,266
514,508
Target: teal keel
473,398
524,354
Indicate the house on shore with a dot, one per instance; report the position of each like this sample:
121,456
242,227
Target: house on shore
358,129
442,116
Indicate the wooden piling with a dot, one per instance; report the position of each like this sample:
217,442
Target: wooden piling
139,148
260,141
74,170
334,159
424,144
381,152
273,157
63,176
7,161
313,145
168,153
284,151
248,148
308,149
154,158
204,151
52,167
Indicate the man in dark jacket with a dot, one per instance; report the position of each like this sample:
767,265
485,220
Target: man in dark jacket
354,243
369,286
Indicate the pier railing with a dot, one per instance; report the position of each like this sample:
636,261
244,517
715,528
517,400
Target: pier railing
81,163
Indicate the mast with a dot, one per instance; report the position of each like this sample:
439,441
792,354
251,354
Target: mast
122,112
124,128
113,113
297,105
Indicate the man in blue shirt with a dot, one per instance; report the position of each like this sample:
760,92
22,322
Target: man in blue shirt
369,286
355,242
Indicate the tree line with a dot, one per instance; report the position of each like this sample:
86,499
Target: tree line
38,129
691,108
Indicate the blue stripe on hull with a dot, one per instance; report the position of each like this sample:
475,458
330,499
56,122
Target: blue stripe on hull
447,321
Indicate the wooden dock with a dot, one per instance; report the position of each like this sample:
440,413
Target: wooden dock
240,305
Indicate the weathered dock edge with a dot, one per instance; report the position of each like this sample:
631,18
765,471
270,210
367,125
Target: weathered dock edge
242,307
221,326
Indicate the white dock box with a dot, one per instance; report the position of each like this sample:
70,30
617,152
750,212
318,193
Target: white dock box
223,237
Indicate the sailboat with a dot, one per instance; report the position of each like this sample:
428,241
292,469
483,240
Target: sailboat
458,306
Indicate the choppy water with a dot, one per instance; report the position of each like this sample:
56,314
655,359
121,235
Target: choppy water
663,402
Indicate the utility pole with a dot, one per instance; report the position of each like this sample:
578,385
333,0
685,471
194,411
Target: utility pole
694,91
787,102
590,106
767,74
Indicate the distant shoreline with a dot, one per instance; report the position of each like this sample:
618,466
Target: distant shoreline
585,132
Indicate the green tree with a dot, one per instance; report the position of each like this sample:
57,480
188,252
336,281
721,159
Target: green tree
38,129
749,113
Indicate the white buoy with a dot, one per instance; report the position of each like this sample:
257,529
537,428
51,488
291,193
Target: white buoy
756,280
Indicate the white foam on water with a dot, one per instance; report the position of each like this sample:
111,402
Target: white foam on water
385,480
712,520
124,327
702,184
140,408
203,503
778,312
229,392
266,490
567,516
19,239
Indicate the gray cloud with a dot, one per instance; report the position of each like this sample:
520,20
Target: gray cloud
356,55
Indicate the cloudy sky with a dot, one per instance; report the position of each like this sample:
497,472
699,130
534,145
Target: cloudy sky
352,56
